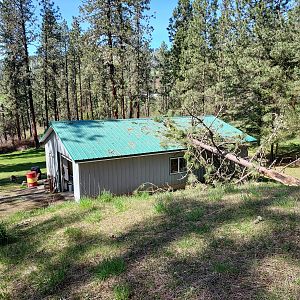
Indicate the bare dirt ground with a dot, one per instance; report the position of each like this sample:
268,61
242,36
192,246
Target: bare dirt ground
29,199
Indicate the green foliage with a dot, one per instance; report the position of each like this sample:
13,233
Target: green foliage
94,217
105,196
141,195
120,204
216,194
122,292
163,202
287,201
4,236
52,280
18,164
4,295
224,267
229,188
202,229
86,203
74,233
109,267
195,214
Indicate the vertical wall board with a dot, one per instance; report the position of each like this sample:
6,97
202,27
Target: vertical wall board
123,176
79,189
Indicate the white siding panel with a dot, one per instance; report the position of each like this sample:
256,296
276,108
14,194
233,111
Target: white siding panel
78,187
53,146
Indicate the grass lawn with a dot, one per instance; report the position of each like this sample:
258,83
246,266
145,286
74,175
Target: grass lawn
18,164
222,243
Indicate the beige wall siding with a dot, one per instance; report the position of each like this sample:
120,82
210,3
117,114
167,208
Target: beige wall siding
123,176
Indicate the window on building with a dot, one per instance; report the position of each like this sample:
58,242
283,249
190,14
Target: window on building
177,165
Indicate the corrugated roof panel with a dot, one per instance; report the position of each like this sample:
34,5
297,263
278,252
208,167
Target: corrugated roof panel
88,140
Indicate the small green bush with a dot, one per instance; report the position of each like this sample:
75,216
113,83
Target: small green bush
4,294
54,278
110,267
286,202
141,195
246,197
120,204
4,236
160,207
94,217
86,203
202,229
224,267
216,194
105,196
73,233
229,188
122,292
195,215
162,202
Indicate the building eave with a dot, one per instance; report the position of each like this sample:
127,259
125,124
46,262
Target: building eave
46,135
129,156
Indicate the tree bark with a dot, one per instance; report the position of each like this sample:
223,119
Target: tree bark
46,82
75,88
272,174
24,127
46,101
28,118
67,84
3,119
90,99
130,106
80,89
28,79
111,65
16,113
55,102
122,46
138,49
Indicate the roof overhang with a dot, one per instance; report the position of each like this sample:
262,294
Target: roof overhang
46,135
129,156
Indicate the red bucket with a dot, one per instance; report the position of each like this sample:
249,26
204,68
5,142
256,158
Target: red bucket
31,179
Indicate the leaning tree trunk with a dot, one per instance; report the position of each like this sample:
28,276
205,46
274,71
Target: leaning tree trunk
277,176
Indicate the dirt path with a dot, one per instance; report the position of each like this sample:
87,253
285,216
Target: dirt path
23,200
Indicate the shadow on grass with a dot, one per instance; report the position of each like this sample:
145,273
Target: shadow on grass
18,164
288,152
24,154
225,268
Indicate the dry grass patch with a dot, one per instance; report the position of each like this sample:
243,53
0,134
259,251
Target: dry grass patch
285,274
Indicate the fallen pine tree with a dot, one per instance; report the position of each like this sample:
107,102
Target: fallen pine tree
272,174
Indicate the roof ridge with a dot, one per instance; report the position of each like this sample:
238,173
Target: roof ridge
127,119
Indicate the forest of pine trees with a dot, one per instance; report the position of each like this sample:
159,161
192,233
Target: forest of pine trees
239,59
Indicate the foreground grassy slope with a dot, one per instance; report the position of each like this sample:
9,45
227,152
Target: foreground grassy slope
18,164
223,243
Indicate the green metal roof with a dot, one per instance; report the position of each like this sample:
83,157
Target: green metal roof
89,140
